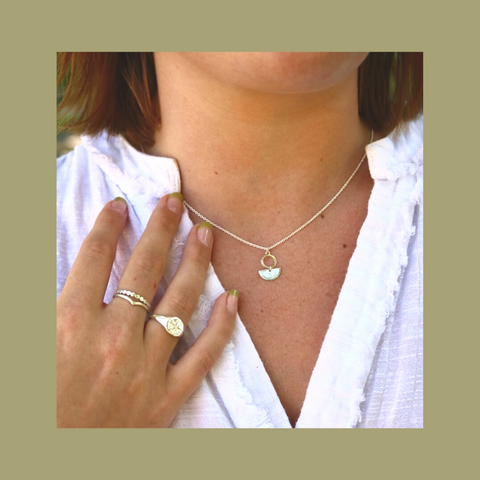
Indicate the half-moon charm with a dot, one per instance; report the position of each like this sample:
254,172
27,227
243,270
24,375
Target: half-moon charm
270,273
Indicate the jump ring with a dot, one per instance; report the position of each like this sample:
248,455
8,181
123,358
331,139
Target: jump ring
271,256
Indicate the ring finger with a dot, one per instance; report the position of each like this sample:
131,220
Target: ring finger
181,297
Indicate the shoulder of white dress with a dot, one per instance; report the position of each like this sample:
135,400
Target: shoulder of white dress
399,154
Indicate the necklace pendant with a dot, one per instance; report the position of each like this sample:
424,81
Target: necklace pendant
270,272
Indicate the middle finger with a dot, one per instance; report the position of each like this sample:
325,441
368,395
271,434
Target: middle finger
181,297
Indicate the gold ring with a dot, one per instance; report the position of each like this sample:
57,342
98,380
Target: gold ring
272,257
173,325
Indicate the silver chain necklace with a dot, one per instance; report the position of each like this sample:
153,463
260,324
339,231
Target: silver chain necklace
271,272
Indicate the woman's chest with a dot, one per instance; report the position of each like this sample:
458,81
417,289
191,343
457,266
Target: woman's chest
287,318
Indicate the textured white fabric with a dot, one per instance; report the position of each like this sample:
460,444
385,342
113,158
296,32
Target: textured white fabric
370,369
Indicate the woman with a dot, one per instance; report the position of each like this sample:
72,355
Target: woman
328,330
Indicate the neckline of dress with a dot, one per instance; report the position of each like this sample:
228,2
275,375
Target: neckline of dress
230,376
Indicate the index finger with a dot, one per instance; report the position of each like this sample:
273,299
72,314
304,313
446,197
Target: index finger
88,278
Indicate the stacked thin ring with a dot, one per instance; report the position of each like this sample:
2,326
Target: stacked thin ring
173,325
132,298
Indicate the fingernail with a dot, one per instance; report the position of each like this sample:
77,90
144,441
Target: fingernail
232,301
119,204
205,234
175,202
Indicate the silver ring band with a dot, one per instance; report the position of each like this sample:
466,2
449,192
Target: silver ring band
133,298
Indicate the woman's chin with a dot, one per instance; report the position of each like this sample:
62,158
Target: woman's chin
278,72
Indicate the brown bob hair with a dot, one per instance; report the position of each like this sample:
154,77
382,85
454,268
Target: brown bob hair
117,92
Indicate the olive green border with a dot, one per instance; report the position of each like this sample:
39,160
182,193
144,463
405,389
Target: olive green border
34,446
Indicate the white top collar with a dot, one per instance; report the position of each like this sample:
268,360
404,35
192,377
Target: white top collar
239,382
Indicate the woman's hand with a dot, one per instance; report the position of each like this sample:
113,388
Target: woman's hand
113,368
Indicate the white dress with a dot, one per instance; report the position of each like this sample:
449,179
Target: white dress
369,373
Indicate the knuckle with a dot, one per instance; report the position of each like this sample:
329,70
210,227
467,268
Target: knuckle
182,302
97,247
63,336
110,218
149,265
158,414
72,334
205,362
224,331
70,316
165,221
64,330
115,348
136,386
200,257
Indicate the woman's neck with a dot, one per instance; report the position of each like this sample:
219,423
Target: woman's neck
246,156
